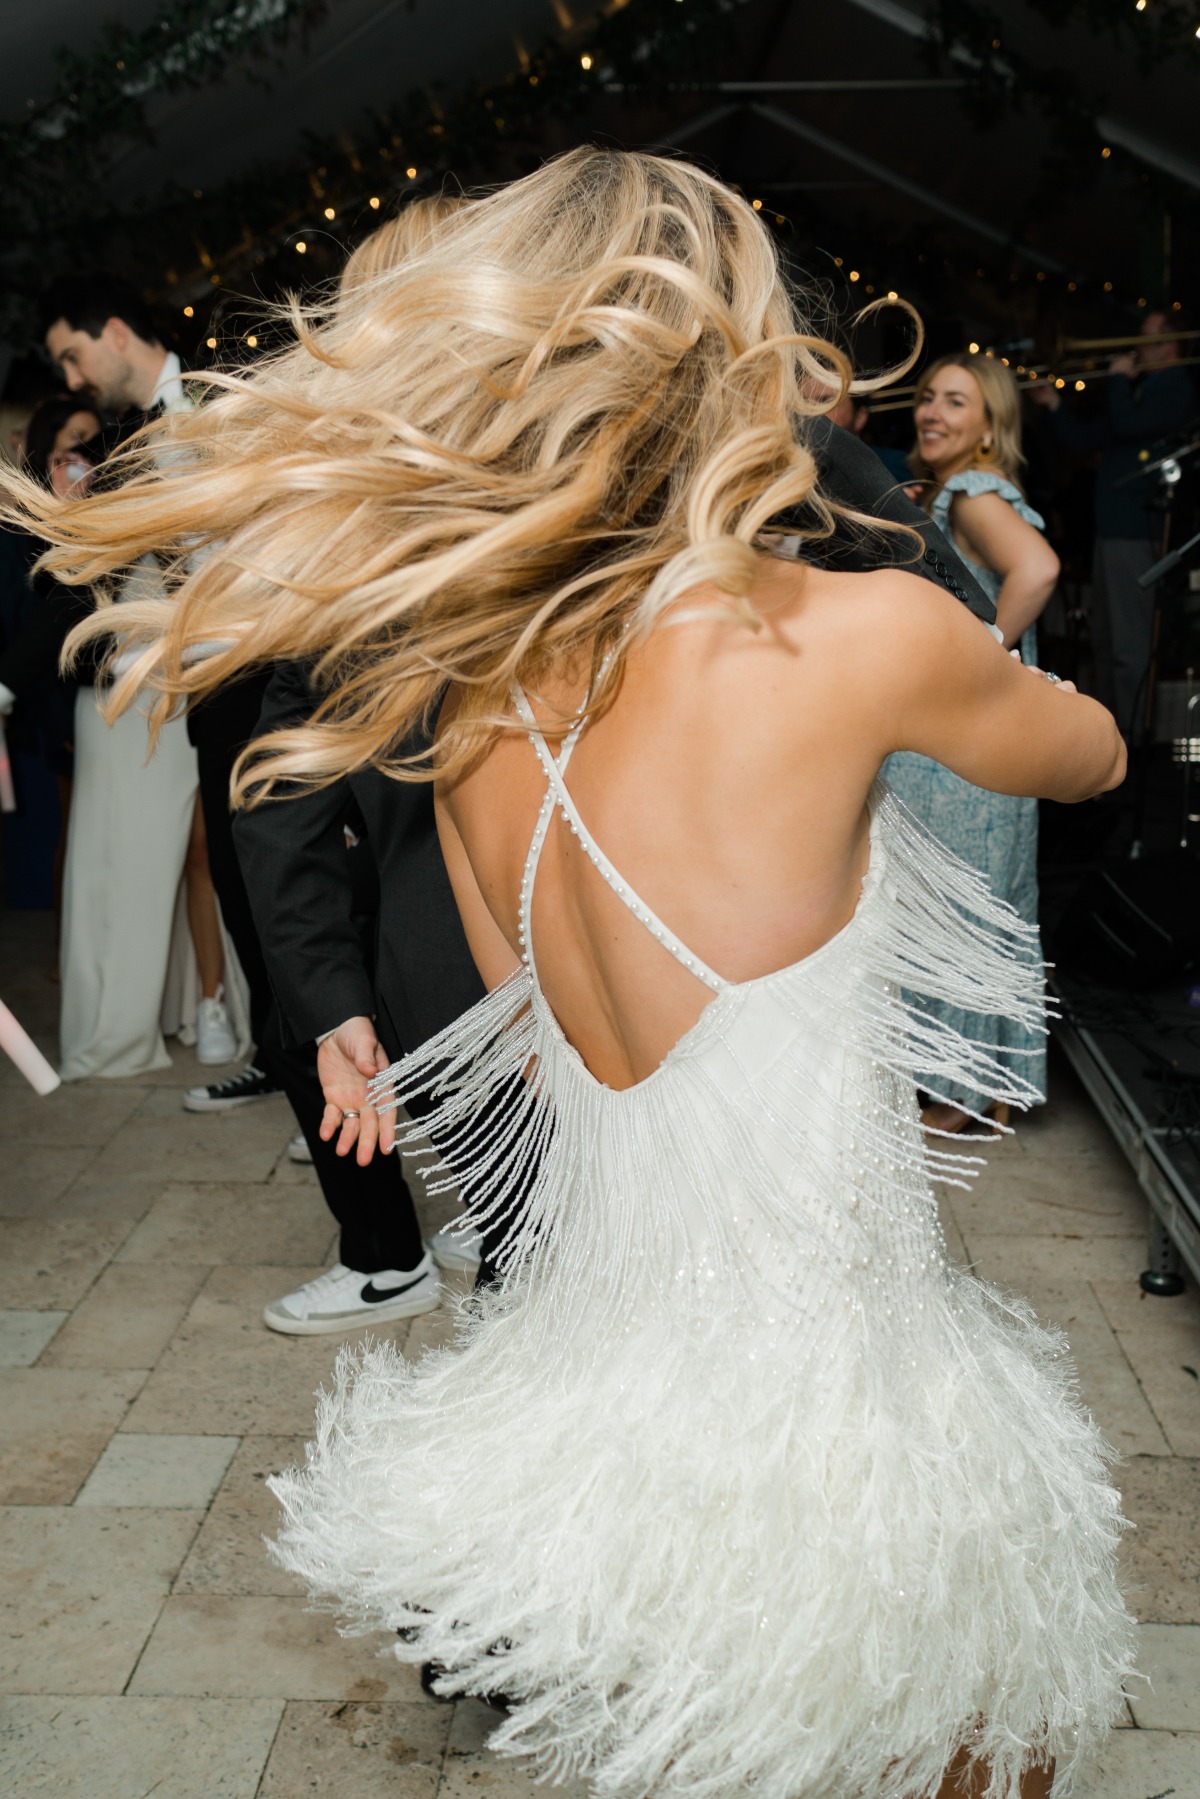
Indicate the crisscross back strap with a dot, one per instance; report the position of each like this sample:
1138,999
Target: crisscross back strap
558,794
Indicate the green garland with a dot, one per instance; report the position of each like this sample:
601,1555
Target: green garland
191,250
244,233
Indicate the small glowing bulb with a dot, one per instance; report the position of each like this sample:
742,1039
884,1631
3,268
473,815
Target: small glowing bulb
585,61
1059,382
329,212
373,202
211,342
252,341
1142,302
854,274
757,205
974,349
1108,287
1106,152
1071,288
1141,5
892,294
189,312
411,173
301,246
837,262
1004,360
1079,386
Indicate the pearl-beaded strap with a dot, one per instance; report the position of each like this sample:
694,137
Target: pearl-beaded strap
557,793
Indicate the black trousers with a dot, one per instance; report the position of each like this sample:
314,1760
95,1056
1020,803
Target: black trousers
372,1205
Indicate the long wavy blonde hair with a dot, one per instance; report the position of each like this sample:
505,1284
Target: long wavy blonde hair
397,238
574,400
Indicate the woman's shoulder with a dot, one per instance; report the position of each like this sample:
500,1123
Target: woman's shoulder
971,482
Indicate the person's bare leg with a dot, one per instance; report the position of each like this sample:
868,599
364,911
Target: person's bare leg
203,918
963,1782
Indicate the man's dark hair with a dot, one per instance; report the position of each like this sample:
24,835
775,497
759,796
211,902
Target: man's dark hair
87,300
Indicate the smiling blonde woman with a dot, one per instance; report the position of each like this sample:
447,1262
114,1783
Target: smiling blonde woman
733,1482
968,450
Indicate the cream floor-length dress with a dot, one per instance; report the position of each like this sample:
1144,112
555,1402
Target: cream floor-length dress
129,975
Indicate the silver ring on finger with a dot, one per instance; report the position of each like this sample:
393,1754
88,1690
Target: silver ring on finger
349,1114
1055,680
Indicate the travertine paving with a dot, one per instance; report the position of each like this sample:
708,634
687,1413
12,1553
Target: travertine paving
149,1647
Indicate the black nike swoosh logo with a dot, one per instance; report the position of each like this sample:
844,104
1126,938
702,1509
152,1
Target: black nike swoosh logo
372,1295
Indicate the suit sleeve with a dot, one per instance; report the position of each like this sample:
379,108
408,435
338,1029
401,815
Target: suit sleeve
852,474
300,883
1158,408
32,656
1082,435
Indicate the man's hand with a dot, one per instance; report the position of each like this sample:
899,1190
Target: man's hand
1124,364
346,1061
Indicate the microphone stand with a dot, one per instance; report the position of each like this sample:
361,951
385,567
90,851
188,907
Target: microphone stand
1169,475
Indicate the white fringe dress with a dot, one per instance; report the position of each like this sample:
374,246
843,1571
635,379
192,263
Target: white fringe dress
734,1483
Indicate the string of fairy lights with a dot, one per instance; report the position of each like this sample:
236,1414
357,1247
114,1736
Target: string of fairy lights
306,218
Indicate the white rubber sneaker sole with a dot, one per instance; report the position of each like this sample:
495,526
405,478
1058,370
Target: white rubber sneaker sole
456,1253
325,1324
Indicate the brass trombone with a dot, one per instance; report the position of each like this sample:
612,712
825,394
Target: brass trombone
1070,370
1123,343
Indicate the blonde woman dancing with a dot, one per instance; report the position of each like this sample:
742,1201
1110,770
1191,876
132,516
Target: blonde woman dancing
732,1481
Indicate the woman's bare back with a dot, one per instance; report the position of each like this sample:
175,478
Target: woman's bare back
725,784
728,785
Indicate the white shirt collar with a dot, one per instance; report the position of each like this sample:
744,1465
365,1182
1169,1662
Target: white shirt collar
169,395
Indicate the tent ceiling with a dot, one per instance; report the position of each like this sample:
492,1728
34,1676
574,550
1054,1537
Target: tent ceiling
879,162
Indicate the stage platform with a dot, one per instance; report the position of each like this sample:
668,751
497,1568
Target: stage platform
1138,1056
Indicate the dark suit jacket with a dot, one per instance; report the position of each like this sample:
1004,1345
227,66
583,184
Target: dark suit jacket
852,473
302,888
30,659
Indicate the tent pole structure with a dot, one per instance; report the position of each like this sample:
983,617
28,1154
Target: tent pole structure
890,177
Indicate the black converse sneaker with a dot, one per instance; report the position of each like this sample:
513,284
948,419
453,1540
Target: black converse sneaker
341,1299
239,1090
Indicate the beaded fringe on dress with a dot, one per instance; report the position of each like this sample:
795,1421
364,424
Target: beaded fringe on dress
733,1481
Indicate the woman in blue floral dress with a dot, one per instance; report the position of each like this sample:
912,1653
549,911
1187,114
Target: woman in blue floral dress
968,452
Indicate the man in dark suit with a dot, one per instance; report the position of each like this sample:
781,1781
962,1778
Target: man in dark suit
363,1002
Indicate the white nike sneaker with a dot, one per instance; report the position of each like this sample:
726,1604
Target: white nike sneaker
215,1041
342,1299
456,1249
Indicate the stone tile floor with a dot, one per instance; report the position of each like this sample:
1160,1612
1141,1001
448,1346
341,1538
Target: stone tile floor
150,1648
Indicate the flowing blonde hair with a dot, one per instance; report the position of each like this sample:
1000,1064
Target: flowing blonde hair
1001,406
572,402
397,238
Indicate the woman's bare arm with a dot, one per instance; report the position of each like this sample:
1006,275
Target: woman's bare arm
948,690
994,535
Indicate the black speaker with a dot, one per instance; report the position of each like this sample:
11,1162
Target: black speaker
1135,924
